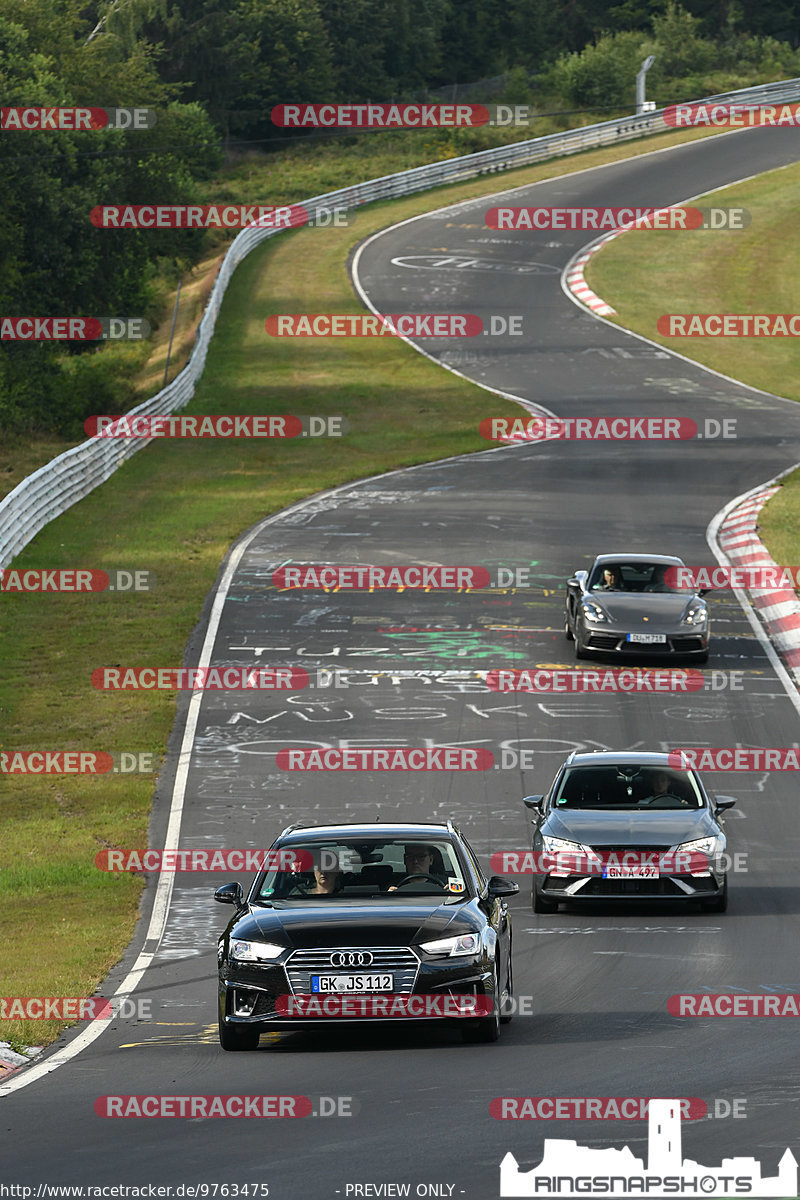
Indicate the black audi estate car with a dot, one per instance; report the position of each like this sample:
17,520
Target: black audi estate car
628,826
366,922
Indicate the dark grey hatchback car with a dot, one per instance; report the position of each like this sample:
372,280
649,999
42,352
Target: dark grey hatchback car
626,826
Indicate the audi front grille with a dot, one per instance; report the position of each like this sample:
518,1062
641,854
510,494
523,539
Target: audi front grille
401,961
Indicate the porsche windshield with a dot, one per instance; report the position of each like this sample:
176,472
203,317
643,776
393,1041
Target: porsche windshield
627,786
363,869
637,577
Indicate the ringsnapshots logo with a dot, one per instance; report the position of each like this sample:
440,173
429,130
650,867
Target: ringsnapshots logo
627,218
604,429
140,425
73,329
75,120
571,1170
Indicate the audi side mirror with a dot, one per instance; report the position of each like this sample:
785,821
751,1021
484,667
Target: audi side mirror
230,893
502,887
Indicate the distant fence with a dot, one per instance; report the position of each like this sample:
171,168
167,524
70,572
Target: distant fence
62,482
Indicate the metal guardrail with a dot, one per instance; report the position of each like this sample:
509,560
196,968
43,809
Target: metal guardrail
62,482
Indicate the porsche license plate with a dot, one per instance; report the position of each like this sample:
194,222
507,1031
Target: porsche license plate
352,983
648,639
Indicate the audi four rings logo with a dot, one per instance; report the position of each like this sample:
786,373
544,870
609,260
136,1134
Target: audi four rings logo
351,958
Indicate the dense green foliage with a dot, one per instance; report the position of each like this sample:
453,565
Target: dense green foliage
213,69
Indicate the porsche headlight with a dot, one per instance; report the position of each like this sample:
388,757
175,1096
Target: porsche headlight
592,611
453,947
254,951
696,616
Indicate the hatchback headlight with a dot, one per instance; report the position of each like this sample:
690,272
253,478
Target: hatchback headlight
255,951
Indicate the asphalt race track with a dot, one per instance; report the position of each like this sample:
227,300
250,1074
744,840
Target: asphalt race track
598,981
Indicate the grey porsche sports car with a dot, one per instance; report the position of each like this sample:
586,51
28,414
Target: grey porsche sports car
628,826
627,604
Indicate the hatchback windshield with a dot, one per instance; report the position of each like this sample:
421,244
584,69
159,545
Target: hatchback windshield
627,786
364,869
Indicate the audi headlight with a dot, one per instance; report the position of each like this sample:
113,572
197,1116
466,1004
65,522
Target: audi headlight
255,951
697,615
453,947
592,611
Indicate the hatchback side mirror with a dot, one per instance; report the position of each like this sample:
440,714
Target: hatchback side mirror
534,803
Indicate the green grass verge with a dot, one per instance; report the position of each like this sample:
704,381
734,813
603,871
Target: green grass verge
174,509
649,272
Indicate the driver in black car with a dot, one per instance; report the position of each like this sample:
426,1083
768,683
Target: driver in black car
663,796
418,859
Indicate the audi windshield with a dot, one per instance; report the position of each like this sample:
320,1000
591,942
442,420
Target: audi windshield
364,870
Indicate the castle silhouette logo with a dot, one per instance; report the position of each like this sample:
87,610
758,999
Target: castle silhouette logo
568,1169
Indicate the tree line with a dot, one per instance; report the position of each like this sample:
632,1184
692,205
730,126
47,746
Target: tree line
213,70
